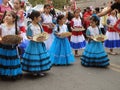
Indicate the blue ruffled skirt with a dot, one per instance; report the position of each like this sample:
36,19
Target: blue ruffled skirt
60,52
94,55
36,58
9,61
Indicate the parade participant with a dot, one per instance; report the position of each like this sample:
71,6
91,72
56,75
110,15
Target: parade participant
5,6
36,60
10,66
113,40
47,25
60,51
77,39
94,54
87,14
20,12
115,5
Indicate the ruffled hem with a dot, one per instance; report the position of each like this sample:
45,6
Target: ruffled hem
112,43
79,45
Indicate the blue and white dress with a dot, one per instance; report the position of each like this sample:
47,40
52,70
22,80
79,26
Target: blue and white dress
77,39
60,51
10,65
113,40
94,53
36,58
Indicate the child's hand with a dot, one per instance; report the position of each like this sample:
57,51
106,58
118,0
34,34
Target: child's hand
40,39
30,38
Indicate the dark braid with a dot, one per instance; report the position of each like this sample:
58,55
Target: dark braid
3,17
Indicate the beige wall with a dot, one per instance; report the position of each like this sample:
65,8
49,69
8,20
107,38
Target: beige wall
95,3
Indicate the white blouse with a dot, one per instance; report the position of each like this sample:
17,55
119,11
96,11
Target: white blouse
77,22
35,29
93,31
112,19
47,18
7,31
62,28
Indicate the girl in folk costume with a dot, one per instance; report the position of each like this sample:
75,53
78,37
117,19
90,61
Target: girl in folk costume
35,59
94,54
61,53
10,66
77,40
20,12
47,25
113,40
5,6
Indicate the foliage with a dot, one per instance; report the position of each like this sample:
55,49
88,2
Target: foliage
35,2
57,3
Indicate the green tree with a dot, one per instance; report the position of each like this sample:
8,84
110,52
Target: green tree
57,3
35,2
60,3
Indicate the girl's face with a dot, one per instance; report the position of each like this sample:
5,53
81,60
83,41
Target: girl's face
37,19
113,12
62,21
9,18
5,1
47,9
93,23
16,4
77,13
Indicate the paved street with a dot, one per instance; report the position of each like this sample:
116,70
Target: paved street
74,77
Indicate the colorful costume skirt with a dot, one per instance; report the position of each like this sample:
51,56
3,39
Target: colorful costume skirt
36,59
77,42
113,40
60,52
9,61
94,55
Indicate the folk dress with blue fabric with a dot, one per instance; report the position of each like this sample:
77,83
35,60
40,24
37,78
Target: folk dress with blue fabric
9,58
36,58
94,53
113,38
60,51
77,41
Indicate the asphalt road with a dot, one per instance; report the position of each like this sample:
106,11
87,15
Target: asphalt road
73,77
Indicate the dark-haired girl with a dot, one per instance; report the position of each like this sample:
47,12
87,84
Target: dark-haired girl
113,37
35,59
48,25
20,13
61,53
77,39
94,54
10,66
